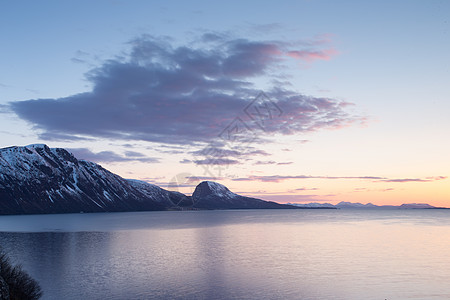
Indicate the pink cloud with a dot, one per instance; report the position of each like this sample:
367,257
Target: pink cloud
312,55
427,179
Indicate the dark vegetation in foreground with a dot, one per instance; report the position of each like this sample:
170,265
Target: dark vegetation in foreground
15,283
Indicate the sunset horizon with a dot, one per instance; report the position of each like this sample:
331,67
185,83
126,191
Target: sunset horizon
296,149
276,106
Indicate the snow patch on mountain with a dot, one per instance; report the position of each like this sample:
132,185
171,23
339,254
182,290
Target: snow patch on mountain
39,179
313,205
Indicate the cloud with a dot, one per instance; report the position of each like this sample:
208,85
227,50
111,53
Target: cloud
152,180
134,154
60,136
286,198
251,152
222,151
219,154
311,55
267,162
4,109
279,178
270,178
306,189
110,156
172,151
217,161
197,179
80,57
427,179
405,180
357,190
185,94
271,162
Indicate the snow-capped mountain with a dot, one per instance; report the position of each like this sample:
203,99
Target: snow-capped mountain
38,179
213,195
344,204
313,205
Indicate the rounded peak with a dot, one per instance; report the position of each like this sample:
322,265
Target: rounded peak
212,185
205,188
209,182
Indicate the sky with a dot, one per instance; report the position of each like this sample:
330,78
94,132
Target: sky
289,101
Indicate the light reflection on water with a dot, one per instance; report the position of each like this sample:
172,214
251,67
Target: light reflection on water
247,254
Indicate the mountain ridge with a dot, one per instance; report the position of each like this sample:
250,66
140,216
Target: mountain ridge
37,179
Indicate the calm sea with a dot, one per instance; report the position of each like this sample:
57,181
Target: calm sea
241,254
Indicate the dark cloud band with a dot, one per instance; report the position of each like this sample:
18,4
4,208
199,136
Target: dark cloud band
184,94
111,157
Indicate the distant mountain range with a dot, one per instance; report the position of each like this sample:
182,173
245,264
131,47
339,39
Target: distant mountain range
345,205
36,179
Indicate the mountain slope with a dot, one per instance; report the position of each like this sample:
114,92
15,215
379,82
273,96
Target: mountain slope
170,199
38,179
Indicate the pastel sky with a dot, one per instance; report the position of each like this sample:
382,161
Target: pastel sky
291,101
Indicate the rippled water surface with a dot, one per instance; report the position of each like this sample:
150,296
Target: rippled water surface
242,254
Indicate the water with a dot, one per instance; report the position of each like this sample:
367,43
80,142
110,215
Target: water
242,254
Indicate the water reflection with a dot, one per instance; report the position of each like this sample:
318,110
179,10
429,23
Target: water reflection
236,255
